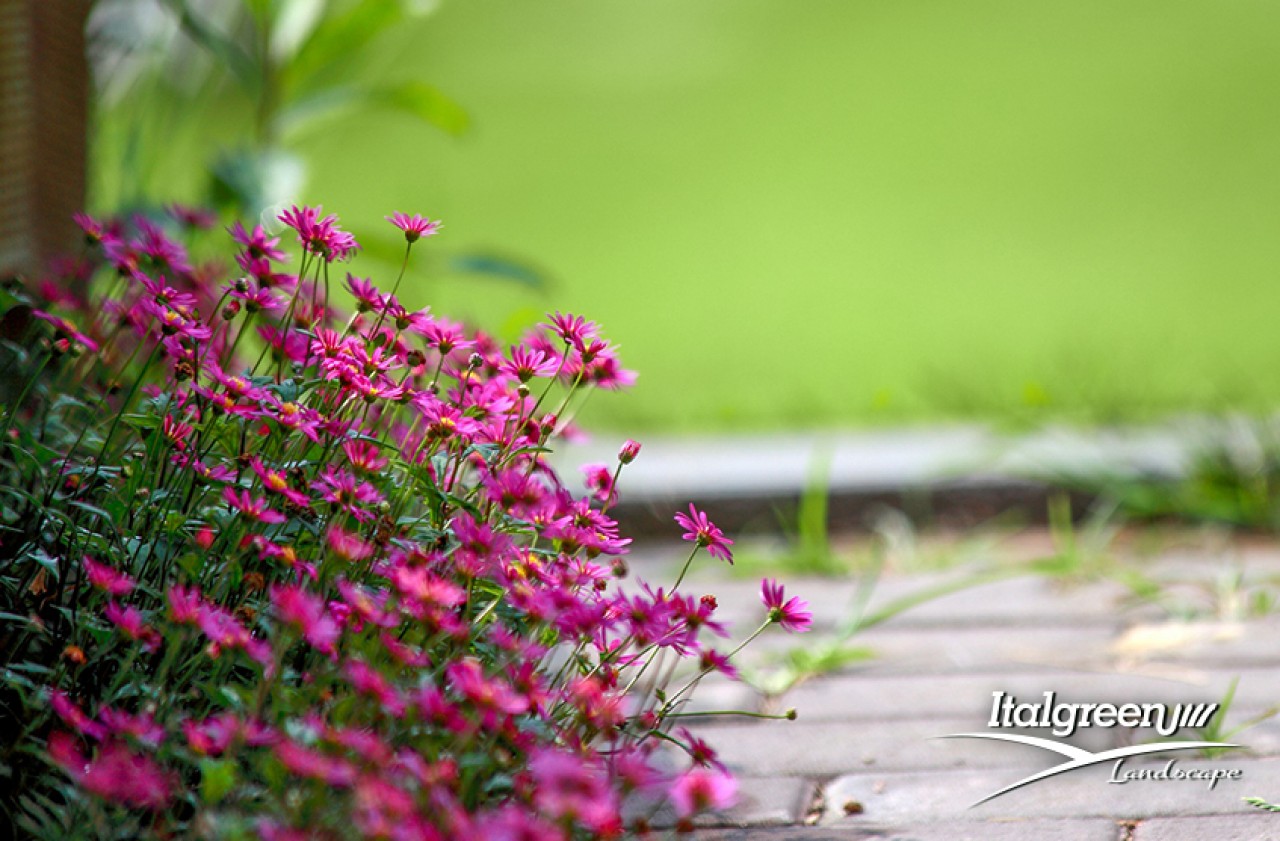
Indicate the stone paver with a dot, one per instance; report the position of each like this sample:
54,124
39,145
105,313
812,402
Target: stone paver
1009,830
754,465
1087,792
766,801
866,743
857,697
827,749
1251,827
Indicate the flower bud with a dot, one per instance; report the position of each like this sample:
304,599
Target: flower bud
630,449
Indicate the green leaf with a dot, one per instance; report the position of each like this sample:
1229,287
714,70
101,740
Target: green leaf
250,181
217,779
338,37
427,103
500,267
417,99
294,24
223,47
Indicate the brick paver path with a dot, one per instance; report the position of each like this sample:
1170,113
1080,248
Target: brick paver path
863,760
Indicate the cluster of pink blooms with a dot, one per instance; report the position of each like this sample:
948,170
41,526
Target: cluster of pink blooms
335,589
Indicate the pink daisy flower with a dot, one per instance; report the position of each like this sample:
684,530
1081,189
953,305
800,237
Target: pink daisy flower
792,614
306,612
254,509
699,529
415,227
106,578
702,789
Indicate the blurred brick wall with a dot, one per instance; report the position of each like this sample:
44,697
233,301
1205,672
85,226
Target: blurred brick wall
44,87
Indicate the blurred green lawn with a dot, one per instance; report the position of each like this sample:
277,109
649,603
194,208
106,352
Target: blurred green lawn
839,212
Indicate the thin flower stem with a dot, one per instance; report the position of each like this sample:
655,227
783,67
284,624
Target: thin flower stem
684,569
395,287
671,701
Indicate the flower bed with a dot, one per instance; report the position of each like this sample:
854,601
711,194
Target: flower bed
272,568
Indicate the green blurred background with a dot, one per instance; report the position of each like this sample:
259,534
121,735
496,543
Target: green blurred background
848,212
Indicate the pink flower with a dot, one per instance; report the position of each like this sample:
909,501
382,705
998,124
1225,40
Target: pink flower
702,789
256,245
116,775
192,217
320,236
701,530
368,681
340,488
486,693
67,328
630,449
129,620
252,509
599,480
106,579
224,632
713,661
527,363
277,482
367,296
364,456
258,300
317,766
348,546
415,227
141,727
566,787
175,432
184,604
305,611
573,329
212,736
69,711
446,337
793,614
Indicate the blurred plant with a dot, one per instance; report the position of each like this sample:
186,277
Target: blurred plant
257,76
806,534
1232,477
830,652
1217,731
274,568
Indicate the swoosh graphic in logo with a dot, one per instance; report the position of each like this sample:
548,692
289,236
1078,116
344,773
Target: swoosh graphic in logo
1079,758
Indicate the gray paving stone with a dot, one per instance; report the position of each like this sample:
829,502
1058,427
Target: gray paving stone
708,467
769,801
831,748
969,696
827,749
715,692
1251,827
899,799
1024,601
1010,830
938,650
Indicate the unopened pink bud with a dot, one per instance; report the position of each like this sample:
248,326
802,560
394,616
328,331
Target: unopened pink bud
630,449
